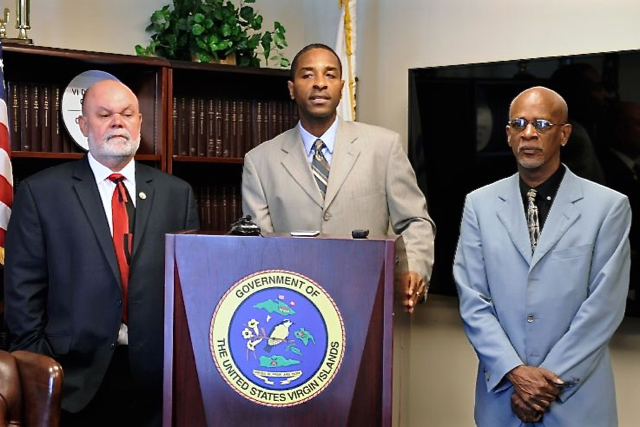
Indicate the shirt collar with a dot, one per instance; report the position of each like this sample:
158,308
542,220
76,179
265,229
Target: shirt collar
101,172
329,137
548,189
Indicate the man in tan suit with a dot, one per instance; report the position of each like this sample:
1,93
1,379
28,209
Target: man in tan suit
357,177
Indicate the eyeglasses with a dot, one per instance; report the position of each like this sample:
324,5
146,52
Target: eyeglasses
541,125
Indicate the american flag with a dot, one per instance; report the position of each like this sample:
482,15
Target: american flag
6,173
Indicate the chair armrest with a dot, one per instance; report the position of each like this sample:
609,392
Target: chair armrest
41,378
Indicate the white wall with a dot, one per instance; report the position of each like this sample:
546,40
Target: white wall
116,26
393,36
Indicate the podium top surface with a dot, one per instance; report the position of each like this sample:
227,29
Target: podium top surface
288,236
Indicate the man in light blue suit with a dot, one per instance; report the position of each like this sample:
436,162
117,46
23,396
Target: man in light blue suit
542,277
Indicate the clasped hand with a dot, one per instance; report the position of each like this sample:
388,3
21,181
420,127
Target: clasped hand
534,391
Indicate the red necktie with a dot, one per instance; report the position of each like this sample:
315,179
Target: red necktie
122,238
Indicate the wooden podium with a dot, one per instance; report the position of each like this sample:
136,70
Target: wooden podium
278,331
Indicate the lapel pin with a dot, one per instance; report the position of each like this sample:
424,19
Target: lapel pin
142,195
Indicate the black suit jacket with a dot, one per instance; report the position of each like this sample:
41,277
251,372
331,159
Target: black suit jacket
62,287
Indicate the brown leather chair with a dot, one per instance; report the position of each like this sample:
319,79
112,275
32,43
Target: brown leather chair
30,390
10,391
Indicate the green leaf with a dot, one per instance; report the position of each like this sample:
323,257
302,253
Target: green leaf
208,23
198,17
201,44
266,39
247,13
225,30
197,29
171,39
157,16
284,63
256,23
203,57
140,51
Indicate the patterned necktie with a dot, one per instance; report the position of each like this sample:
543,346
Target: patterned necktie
122,235
532,219
320,167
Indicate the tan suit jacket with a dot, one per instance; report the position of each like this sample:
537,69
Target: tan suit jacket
371,186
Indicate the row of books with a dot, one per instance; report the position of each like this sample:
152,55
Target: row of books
220,127
219,206
35,119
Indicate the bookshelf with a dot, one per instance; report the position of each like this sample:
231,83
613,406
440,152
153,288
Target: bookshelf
198,119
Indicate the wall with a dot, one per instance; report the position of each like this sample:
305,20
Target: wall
393,36
116,26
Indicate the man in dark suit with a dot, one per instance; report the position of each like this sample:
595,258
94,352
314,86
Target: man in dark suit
63,286
371,184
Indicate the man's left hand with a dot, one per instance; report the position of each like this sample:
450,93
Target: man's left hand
525,413
414,289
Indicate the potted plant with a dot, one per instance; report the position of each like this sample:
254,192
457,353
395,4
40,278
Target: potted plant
212,30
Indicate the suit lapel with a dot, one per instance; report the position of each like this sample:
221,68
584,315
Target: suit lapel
87,192
345,154
563,213
144,202
295,161
511,215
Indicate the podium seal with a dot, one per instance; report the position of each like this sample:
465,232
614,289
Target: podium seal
277,338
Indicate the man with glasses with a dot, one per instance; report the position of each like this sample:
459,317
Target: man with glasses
542,269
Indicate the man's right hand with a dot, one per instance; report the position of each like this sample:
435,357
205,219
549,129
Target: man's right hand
537,387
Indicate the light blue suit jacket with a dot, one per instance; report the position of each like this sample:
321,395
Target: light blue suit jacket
556,308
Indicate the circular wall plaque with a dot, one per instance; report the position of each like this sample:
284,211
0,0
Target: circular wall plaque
72,102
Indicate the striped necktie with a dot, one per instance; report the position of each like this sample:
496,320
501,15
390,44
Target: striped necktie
320,167
533,222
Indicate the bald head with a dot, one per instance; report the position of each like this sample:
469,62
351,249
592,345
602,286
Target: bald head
555,104
102,88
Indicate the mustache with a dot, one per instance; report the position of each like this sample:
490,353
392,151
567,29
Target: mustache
528,147
118,134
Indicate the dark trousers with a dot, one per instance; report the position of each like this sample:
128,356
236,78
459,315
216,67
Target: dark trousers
118,402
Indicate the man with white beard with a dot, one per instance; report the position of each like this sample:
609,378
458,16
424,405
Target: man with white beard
84,268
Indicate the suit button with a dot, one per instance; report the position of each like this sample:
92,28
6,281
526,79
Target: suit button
326,216
113,345
119,303
531,318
